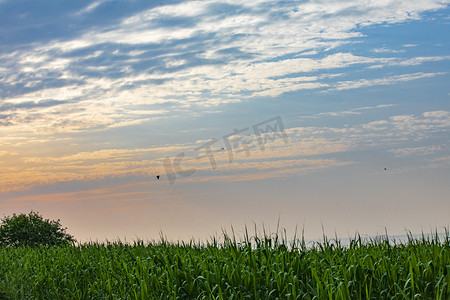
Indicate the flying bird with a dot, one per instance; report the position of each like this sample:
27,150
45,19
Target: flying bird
385,169
157,177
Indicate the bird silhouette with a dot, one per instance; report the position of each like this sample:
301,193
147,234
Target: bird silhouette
385,169
157,177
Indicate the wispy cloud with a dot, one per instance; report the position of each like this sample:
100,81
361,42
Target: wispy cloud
96,96
440,162
360,83
309,148
416,151
211,53
354,111
386,50
91,7
409,61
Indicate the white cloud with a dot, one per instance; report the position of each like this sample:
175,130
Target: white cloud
354,111
436,114
346,85
418,60
296,155
425,150
91,7
266,44
386,50
440,162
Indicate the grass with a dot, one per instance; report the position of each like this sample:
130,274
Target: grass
267,267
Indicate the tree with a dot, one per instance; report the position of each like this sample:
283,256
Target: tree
32,230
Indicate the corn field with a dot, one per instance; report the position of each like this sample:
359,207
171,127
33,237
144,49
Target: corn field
265,267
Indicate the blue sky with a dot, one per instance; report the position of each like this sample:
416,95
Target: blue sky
95,95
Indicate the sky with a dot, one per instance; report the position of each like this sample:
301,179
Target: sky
326,116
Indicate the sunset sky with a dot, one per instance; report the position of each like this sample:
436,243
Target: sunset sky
96,97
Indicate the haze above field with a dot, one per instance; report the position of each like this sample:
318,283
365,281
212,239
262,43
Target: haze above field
97,98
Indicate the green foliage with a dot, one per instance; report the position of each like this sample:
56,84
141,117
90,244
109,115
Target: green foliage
255,268
32,230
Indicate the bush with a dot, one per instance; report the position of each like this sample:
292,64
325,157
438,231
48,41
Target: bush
32,230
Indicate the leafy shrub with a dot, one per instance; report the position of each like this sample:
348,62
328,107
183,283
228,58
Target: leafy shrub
32,230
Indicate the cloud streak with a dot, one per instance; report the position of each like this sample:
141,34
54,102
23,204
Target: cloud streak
193,54
308,149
